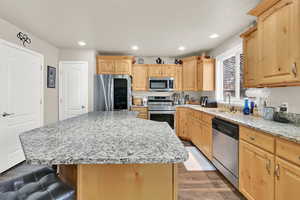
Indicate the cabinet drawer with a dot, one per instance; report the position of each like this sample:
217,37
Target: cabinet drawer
288,150
142,116
140,109
260,139
206,119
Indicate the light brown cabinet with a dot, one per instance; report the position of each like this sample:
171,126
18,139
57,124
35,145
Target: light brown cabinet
265,173
139,77
164,70
154,70
178,78
287,180
278,42
183,123
251,63
256,172
189,74
206,74
195,126
198,74
114,65
142,112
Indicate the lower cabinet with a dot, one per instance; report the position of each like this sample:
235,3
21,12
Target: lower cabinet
256,172
287,180
142,112
182,123
190,125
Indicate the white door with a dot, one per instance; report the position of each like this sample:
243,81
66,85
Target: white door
73,89
21,105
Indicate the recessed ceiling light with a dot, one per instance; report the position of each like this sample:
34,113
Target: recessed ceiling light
134,47
181,48
81,43
213,36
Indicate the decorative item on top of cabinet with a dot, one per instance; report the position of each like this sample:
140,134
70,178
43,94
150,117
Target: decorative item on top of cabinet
278,39
114,64
251,64
140,77
206,74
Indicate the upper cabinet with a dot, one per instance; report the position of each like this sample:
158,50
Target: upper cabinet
206,74
114,64
251,64
140,77
189,74
164,70
278,33
198,74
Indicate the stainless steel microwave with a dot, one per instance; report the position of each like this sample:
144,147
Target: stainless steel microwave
161,84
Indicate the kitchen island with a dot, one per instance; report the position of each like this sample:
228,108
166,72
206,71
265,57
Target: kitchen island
110,155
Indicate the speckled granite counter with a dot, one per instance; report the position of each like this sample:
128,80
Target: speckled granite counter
286,131
103,138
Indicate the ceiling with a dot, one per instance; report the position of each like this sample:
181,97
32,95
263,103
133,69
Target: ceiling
157,27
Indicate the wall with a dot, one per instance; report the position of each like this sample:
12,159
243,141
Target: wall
83,55
9,33
290,95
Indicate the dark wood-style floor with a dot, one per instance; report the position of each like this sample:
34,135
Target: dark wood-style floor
193,185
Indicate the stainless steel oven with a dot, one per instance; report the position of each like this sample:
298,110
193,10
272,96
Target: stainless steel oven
161,108
161,84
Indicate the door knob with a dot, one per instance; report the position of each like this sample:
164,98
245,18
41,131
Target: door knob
7,114
83,107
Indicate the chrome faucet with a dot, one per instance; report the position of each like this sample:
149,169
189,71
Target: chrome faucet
228,96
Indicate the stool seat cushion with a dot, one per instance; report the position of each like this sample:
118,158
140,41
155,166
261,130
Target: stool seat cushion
42,184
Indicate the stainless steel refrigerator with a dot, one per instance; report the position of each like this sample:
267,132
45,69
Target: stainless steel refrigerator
112,92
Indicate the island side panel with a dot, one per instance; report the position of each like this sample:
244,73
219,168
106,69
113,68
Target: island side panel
127,182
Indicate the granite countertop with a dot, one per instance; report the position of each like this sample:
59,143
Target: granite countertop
103,138
286,131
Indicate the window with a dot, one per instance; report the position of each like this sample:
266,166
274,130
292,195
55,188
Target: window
230,75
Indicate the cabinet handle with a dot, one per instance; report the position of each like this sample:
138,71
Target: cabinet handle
277,171
294,69
268,166
252,138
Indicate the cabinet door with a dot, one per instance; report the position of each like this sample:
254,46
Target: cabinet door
106,67
207,141
123,67
168,70
279,43
178,78
189,75
251,60
206,75
155,70
139,77
256,177
196,132
178,122
287,181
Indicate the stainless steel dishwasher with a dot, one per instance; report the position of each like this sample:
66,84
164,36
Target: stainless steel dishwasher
226,149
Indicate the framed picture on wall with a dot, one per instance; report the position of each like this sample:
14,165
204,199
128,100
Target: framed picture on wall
51,77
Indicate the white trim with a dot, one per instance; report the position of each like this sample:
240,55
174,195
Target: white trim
60,106
219,74
42,73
